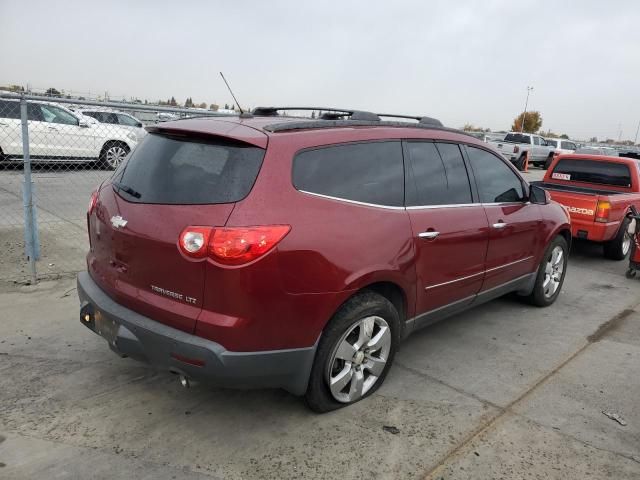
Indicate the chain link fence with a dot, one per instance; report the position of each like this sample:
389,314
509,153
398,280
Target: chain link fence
53,154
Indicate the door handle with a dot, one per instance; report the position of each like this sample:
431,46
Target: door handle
500,225
431,235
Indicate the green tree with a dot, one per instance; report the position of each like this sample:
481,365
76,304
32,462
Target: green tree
532,122
202,105
564,136
226,106
173,102
52,92
214,107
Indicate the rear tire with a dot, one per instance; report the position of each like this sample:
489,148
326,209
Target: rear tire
551,273
547,163
519,164
113,154
355,352
620,246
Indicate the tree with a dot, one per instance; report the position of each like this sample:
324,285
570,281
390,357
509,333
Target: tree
173,102
188,102
233,107
532,122
226,106
593,140
214,107
52,92
202,105
468,127
564,136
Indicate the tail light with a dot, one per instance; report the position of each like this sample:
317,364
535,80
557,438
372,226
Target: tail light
92,202
516,149
602,211
230,245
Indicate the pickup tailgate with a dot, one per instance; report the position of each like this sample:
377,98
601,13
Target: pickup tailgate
580,205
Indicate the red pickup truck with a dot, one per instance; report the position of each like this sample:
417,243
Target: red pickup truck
598,192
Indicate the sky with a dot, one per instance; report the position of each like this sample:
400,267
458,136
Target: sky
461,62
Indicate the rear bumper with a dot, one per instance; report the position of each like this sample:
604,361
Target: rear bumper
131,334
594,231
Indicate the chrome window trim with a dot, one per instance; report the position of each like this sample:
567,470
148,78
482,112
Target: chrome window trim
354,202
479,273
452,205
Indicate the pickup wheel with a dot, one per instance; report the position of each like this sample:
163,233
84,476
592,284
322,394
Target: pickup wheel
113,154
547,163
619,247
355,352
519,164
551,272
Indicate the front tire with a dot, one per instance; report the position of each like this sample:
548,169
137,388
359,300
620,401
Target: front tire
551,273
620,246
355,352
113,154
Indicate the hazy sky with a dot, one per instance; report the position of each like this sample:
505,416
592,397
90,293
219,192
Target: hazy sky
461,62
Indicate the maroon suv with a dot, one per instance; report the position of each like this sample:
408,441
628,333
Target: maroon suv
273,251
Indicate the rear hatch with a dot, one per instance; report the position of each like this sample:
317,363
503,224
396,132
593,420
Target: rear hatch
579,184
174,179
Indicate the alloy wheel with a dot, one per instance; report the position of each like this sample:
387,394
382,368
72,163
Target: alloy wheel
628,237
553,272
115,155
359,359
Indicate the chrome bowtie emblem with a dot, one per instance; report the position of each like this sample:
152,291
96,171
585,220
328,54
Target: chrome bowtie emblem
118,222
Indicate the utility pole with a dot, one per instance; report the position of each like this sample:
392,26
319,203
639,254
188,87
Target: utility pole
635,141
526,103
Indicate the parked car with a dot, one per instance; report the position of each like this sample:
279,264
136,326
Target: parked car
515,146
598,192
290,252
589,150
58,134
561,146
487,136
124,120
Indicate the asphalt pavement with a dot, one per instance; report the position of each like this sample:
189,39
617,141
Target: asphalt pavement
502,391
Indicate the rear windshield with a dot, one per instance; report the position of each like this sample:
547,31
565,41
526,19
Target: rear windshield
517,138
593,171
173,170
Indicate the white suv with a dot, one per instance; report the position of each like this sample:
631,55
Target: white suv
57,134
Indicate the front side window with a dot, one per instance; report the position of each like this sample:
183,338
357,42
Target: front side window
53,114
364,172
497,183
536,141
436,175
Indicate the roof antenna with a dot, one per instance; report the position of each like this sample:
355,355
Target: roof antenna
234,97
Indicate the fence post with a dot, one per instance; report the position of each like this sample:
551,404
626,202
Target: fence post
31,243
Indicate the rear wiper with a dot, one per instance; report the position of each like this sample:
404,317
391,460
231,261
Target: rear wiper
126,189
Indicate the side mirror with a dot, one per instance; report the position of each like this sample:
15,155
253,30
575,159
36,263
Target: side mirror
83,124
538,195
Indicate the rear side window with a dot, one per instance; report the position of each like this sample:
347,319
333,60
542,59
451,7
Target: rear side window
593,171
436,175
178,171
497,183
517,138
568,146
364,172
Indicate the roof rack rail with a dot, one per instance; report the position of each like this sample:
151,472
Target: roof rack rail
345,114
